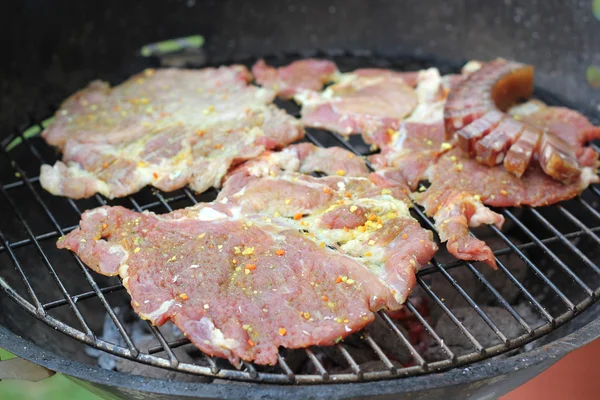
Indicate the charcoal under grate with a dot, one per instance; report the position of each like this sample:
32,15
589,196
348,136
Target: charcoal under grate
460,313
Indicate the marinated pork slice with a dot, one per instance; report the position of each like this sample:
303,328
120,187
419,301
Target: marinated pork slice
371,103
461,187
309,74
419,140
255,270
308,158
236,289
164,128
455,174
410,78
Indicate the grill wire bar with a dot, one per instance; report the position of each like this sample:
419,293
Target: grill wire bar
321,372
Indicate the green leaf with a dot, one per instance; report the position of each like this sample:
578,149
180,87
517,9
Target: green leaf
47,122
593,76
14,143
28,133
169,46
32,131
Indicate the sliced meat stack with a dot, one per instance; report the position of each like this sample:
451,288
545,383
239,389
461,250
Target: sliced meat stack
460,185
279,259
164,128
475,114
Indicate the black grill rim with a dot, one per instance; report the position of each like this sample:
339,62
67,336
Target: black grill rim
475,378
250,374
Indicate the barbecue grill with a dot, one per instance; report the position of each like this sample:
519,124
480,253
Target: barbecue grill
466,331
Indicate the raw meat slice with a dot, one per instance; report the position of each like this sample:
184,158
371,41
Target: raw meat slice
454,172
224,284
370,103
102,114
461,187
240,283
309,74
420,138
410,78
330,161
165,128
454,213
416,147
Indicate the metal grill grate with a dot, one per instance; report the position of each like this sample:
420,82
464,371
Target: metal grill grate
554,245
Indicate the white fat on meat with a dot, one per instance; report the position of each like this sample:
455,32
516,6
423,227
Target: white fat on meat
213,335
588,176
430,108
209,214
355,243
99,210
156,314
484,216
471,67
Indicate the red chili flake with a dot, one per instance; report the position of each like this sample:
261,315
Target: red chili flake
338,279
404,236
282,331
105,165
251,267
298,216
155,175
250,342
325,298
280,252
326,190
218,146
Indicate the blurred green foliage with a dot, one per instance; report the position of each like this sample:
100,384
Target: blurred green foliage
56,388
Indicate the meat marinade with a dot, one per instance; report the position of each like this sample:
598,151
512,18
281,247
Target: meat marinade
282,258
165,128
461,186
279,259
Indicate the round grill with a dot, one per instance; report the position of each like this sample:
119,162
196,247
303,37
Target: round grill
547,271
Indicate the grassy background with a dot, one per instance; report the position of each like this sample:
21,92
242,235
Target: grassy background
57,387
